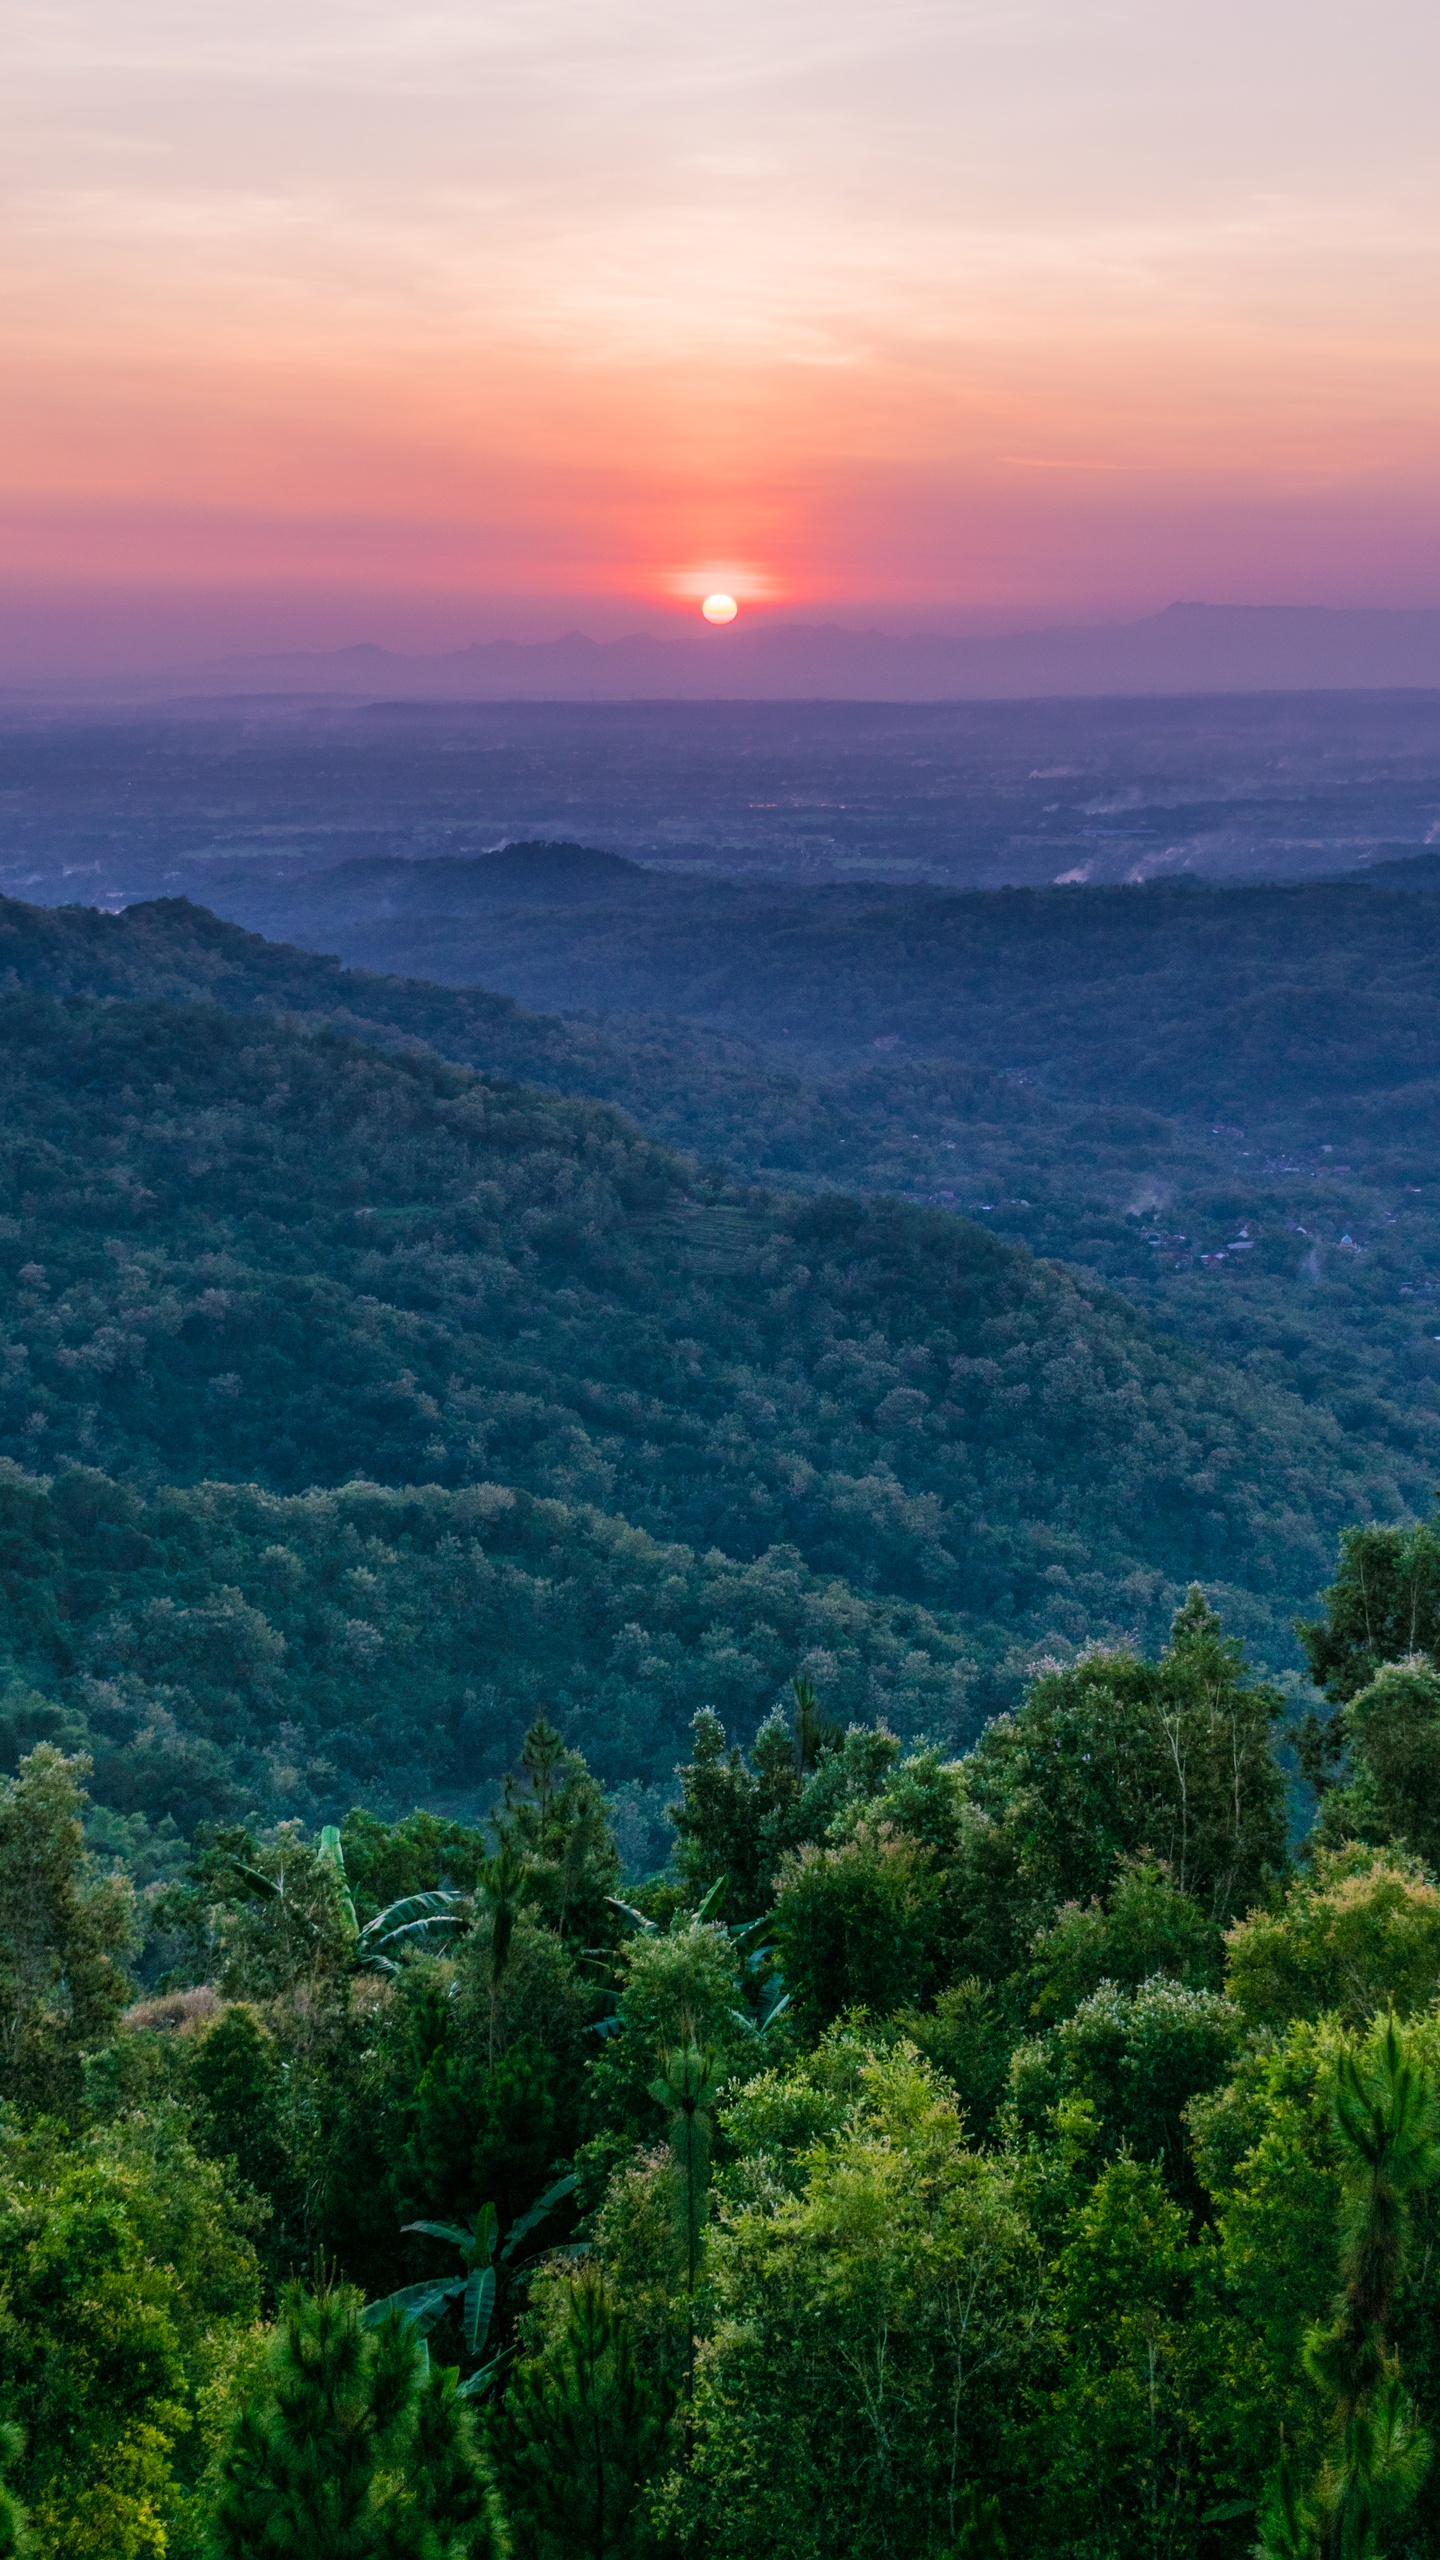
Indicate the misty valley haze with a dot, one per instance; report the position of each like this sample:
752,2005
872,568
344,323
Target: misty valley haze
1189,649
219,798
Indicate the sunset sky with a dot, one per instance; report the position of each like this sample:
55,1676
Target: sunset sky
329,320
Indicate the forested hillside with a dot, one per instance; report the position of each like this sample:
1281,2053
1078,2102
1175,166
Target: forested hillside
222,1652
1312,1265
1238,1003
240,1252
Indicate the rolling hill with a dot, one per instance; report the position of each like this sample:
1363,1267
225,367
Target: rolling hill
236,1252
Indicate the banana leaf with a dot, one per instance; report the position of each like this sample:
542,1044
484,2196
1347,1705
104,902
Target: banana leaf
521,2229
421,2304
475,2385
479,2303
460,2233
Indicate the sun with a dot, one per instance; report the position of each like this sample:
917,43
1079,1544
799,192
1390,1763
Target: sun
719,608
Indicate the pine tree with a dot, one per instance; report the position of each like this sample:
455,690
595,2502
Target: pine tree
579,2435
687,2088
351,2450
1386,2118
447,2478
555,1822
812,1734
499,1890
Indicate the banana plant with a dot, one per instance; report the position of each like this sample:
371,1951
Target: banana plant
776,2008
746,1937
416,1920
473,2290
709,1909
744,1934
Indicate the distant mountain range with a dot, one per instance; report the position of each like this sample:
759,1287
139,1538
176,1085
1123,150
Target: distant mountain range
1189,648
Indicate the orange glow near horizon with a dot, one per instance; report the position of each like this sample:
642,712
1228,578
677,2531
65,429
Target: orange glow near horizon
1035,482
945,319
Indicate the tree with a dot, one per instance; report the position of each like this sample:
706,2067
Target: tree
16,2540
64,1931
812,1733
1144,1927
981,2535
855,1925
499,1888
1120,2457
351,2449
728,1813
874,2310
737,1818
463,2125
1274,2167
1386,2118
687,2087
127,2289
450,2479
677,1987
1115,1758
279,1914
1139,2058
1390,1792
293,1917
555,1823
233,2076
1383,1606
1358,1933
635,2248
579,2433
968,2037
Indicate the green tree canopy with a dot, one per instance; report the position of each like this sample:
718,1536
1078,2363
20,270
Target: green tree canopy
129,2285
872,2318
1383,1605
64,1931
1358,1932
581,2430
1116,1758
350,2448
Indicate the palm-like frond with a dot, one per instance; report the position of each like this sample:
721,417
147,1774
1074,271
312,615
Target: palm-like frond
477,2306
421,2305
525,2223
417,1920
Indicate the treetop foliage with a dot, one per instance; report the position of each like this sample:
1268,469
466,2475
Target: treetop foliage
943,2147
